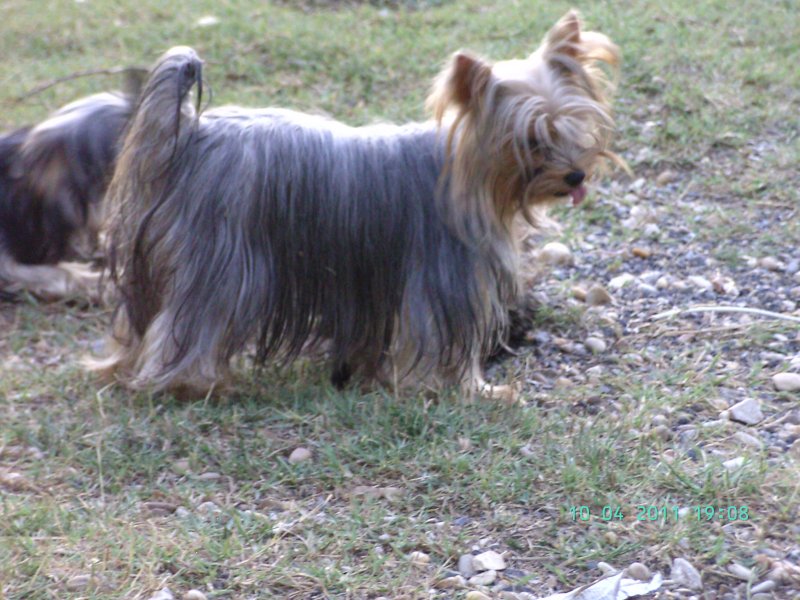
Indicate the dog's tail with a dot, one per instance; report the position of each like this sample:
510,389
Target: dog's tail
156,143
164,115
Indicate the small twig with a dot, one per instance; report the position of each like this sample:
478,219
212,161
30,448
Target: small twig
724,309
46,86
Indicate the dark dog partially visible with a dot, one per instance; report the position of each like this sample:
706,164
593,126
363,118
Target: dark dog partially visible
53,177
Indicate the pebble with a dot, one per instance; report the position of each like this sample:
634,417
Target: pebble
748,411
489,560
194,595
786,382
556,254
208,508
605,568
639,571
419,559
206,21
641,252
450,583
563,383
748,440
163,594
78,582
683,573
621,281
598,295
476,595
299,455
661,431
485,578
733,463
181,467
700,282
610,537
740,572
659,420
579,293
652,230
595,372
647,290
465,566
527,451
209,476
666,177
159,509
770,263
764,586
595,344
779,575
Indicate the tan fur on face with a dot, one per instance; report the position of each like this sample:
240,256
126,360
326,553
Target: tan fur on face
546,116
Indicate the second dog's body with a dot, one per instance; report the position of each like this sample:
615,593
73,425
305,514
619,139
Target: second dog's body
52,181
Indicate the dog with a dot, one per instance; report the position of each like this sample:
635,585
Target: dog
394,247
52,181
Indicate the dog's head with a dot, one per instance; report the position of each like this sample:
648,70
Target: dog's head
532,129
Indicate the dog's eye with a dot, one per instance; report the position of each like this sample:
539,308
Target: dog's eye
536,171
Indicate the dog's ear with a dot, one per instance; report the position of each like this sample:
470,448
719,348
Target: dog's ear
460,85
565,36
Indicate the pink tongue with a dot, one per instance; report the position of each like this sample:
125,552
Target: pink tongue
578,194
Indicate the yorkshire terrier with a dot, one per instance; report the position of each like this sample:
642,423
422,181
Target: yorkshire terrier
395,247
52,181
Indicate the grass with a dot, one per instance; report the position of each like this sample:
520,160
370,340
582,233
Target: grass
105,493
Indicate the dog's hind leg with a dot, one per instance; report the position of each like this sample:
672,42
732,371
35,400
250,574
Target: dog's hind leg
51,282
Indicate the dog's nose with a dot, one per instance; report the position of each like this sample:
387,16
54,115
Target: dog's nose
575,178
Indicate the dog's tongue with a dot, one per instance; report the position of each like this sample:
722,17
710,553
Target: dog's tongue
578,194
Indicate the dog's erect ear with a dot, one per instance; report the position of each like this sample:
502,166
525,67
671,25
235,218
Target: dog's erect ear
468,77
565,36
460,85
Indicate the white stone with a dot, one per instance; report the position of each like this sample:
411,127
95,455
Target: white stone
595,344
208,508
163,594
734,463
207,21
652,230
556,253
419,559
748,411
786,382
476,595
194,595
771,264
299,455
740,572
485,578
700,282
606,569
747,439
639,571
620,281
489,560
595,372
450,583
683,573
764,586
